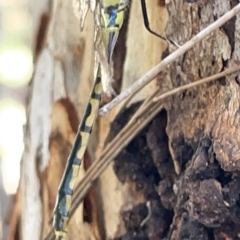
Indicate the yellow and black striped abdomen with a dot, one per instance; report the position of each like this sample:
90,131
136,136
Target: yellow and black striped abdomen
65,191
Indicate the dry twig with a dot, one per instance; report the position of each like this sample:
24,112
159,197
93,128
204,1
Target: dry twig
197,83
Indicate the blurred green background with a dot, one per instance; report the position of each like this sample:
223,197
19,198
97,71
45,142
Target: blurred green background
16,69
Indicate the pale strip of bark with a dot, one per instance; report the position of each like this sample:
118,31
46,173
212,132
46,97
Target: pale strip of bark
197,83
37,142
150,75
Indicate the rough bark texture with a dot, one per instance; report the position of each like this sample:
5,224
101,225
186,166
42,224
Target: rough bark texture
198,132
140,196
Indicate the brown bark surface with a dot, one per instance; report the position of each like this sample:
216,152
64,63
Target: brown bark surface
198,132
178,179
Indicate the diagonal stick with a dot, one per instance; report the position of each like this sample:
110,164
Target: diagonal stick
197,83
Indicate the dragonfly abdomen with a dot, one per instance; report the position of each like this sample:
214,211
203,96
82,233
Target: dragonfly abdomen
65,191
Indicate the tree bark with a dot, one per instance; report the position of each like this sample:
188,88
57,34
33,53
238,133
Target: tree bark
178,179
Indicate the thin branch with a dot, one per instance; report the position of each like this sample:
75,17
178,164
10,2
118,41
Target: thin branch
150,75
197,83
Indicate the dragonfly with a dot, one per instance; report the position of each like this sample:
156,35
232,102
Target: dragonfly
108,17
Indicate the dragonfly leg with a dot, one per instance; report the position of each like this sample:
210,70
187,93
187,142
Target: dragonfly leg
147,25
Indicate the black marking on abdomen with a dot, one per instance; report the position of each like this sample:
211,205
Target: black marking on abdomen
77,161
87,129
96,96
68,191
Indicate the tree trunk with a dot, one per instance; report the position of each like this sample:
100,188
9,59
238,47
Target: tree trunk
178,179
